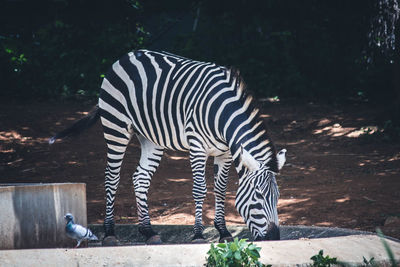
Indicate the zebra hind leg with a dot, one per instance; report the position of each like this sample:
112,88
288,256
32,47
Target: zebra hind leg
115,154
149,160
221,170
198,160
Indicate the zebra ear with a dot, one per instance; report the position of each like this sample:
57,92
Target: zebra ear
281,157
248,160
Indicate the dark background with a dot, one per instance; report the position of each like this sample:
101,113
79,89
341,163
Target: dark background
318,50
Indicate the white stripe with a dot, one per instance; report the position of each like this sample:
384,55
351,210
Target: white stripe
210,102
201,87
143,77
179,124
110,109
247,121
237,113
181,121
162,103
113,126
155,112
116,139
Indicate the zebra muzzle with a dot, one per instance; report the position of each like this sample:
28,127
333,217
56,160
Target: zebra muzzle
273,233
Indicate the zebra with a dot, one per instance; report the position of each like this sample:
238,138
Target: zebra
172,102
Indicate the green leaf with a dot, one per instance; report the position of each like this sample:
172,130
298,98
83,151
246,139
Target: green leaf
237,255
221,245
233,246
254,254
252,246
225,254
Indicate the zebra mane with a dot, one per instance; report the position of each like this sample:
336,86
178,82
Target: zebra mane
242,89
247,95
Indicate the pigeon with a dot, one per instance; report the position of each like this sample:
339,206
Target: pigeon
76,231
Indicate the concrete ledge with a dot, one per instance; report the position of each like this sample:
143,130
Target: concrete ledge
278,253
128,234
32,215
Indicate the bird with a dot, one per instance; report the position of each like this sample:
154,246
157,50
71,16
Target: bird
76,231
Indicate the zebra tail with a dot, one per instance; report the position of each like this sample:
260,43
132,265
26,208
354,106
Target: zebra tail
78,126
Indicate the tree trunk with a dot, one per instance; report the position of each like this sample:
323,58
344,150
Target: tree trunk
396,71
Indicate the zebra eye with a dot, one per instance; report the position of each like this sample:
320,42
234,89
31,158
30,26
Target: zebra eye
264,183
262,190
259,194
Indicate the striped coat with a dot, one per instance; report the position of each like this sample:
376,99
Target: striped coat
171,102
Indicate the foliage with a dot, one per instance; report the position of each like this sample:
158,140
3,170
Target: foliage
66,55
302,49
297,50
234,254
320,261
383,25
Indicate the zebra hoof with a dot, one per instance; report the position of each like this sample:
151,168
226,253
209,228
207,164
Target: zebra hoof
154,240
109,241
227,239
199,241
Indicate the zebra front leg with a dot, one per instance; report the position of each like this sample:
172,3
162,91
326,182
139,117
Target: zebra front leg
149,160
198,160
221,170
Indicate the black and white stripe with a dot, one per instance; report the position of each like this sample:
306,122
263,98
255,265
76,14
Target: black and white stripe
171,102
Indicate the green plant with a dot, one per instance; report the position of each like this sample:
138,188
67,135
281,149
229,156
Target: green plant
370,262
320,261
393,261
236,253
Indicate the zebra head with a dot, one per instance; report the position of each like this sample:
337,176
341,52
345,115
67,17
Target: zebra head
257,197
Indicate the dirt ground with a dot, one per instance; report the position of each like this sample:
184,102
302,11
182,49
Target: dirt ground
336,175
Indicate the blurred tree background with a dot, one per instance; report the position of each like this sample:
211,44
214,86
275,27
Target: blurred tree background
330,51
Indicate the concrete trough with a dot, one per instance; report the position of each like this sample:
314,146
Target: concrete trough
32,215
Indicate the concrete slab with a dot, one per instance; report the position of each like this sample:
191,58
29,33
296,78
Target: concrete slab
350,249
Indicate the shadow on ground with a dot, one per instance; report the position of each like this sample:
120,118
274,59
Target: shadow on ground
337,174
